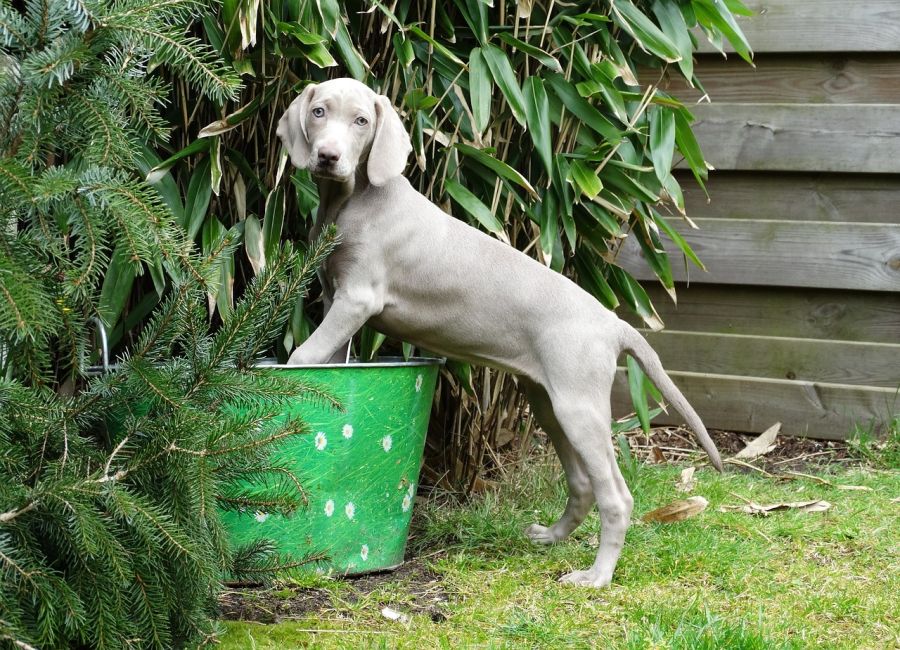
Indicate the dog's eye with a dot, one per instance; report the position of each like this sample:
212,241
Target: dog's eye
318,111
361,121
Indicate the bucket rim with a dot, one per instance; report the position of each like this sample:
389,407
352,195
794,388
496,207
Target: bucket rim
270,362
381,362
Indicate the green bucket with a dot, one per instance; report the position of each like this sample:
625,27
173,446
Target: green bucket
359,466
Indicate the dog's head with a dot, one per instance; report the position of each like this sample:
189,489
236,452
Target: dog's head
336,126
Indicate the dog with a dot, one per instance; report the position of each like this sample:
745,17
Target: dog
413,272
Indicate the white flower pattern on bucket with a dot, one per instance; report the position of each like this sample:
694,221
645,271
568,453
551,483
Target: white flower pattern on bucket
329,507
387,442
408,497
261,516
364,552
321,440
419,379
348,431
349,510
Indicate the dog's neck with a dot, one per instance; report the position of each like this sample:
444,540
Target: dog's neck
333,194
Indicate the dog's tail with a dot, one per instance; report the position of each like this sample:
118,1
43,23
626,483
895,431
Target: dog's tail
633,342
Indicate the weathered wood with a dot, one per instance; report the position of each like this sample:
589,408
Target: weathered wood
820,26
783,253
858,198
818,410
777,311
849,138
837,362
788,79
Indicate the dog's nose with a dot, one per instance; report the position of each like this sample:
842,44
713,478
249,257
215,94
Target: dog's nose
328,155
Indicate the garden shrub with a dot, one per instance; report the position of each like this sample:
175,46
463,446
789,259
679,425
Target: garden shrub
110,487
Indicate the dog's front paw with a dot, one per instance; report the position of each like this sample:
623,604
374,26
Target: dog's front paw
589,578
541,534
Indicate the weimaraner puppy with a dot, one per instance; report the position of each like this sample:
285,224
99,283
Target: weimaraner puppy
417,274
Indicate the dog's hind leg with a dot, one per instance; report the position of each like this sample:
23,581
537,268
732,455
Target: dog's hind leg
581,495
586,425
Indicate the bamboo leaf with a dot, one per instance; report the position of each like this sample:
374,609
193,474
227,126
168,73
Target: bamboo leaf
582,109
680,241
538,115
273,221
585,179
688,145
197,200
505,78
437,46
474,206
532,51
715,14
254,244
662,140
116,289
672,23
645,33
480,90
638,395
160,170
496,165
354,61
635,296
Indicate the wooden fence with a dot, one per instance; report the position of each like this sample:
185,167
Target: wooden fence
798,317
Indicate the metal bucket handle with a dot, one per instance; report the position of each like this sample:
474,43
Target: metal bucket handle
104,347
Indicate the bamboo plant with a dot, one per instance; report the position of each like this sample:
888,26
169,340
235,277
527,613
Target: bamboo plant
542,123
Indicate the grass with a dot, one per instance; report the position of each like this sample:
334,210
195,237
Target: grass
719,580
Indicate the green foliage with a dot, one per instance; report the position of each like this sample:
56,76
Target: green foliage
542,123
110,487
109,500
75,105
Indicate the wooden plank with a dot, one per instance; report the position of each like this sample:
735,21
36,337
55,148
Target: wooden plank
836,362
853,138
820,26
797,197
817,410
778,311
842,255
797,78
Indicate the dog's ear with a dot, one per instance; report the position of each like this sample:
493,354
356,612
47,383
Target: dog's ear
292,128
391,145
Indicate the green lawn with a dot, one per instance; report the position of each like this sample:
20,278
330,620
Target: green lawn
720,580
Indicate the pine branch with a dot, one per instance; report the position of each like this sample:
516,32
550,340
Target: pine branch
188,56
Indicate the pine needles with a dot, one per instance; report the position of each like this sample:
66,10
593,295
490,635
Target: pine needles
111,488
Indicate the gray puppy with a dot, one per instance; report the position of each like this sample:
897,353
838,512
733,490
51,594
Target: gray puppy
417,274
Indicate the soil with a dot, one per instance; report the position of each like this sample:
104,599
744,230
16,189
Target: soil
791,454
423,589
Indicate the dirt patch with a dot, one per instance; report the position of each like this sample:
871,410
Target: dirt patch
677,444
412,588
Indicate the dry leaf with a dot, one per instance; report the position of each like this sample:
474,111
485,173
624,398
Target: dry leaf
753,508
480,485
687,482
658,455
859,488
762,444
504,437
677,510
394,615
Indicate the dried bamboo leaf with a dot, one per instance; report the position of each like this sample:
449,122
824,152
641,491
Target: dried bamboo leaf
762,444
753,508
677,510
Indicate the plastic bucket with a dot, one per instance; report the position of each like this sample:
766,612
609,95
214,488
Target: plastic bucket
359,466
